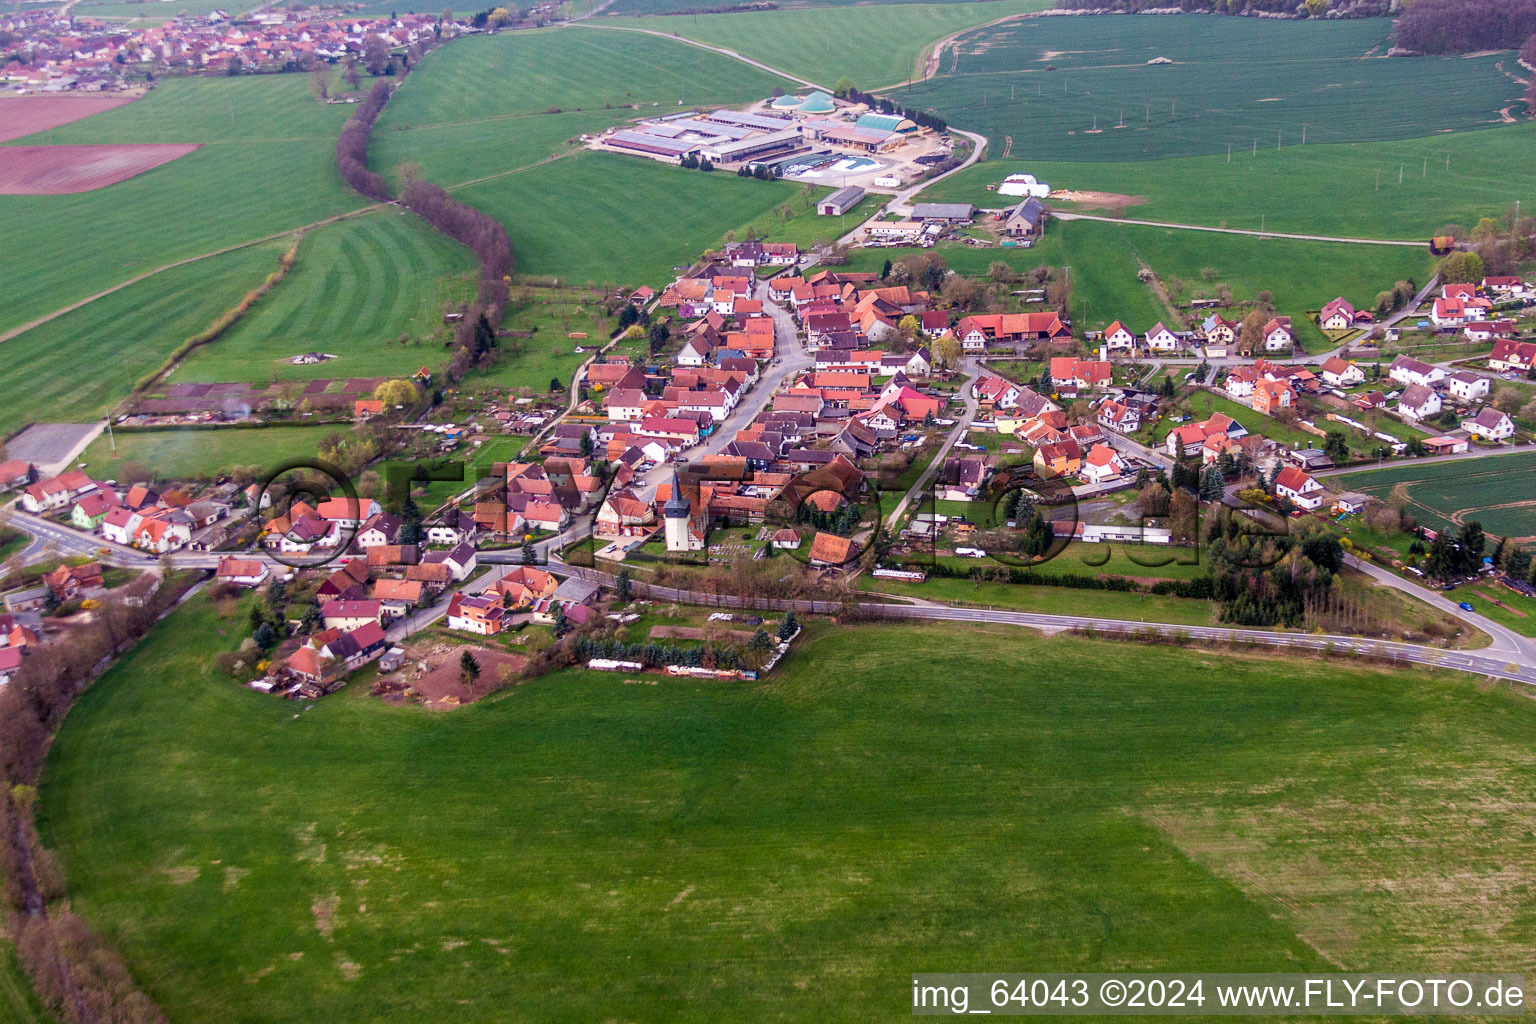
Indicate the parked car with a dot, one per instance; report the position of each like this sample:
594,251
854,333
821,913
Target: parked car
1465,606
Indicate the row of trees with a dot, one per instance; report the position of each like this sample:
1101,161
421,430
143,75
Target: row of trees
1462,26
352,146
1291,8
73,970
845,90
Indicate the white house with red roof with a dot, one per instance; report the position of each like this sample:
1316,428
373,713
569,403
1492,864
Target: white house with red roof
1278,336
243,572
1296,485
1341,373
1118,339
1407,370
1337,315
1509,355
1102,464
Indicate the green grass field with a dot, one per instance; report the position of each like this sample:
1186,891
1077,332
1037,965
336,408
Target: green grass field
600,217
1081,88
874,45
584,849
268,165
1349,190
552,315
358,285
173,454
1494,491
530,72
78,366
456,153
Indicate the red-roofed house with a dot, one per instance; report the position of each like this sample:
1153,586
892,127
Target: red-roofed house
1297,486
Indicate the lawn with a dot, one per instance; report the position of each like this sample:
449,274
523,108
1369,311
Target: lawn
267,165
357,287
1347,189
574,849
174,454
873,45
1082,88
1202,404
80,365
532,72
1492,490
552,314
604,218
455,153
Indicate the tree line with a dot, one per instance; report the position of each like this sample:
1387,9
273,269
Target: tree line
1270,8
481,233
921,118
484,236
352,146
74,971
1462,26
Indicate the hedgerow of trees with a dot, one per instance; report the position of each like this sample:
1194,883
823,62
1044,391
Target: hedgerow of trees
1462,26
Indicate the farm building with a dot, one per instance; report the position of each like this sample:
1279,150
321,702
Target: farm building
949,213
840,202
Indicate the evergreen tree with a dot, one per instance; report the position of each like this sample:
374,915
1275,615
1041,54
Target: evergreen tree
529,554
788,627
1336,446
410,522
469,670
624,589
555,385
1441,561
885,271
312,619
562,624
1472,544
1517,562
265,635
1212,483
761,642
586,446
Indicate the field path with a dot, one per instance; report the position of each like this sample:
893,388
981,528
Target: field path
24,328
706,46
1063,215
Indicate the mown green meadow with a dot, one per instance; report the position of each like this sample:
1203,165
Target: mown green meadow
267,165
1344,190
80,365
357,287
531,72
601,217
1082,88
579,848
874,45
181,453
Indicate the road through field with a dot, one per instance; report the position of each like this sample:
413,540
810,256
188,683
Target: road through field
706,46
1062,215
24,328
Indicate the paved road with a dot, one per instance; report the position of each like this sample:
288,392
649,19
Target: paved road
1505,641
1063,215
1510,657
901,201
1516,666
959,431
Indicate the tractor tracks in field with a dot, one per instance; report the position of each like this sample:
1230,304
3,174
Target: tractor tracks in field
15,332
